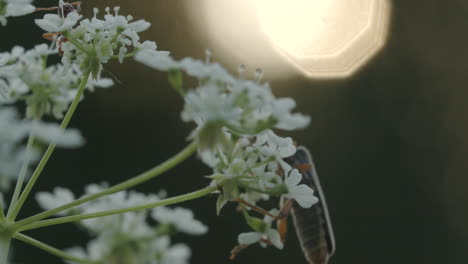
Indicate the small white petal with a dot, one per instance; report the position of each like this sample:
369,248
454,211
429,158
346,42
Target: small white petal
139,26
49,23
249,238
19,9
58,197
159,60
275,238
103,83
51,133
293,179
303,195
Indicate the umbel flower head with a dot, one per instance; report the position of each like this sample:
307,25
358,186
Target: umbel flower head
47,90
234,121
91,42
223,103
128,237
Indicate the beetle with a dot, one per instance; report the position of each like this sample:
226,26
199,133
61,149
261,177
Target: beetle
313,225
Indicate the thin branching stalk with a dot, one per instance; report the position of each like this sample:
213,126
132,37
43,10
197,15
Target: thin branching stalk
22,176
52,250
154,172
51,147
168,201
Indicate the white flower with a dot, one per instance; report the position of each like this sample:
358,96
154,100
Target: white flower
12,8
286,120
181,218
128,237
222,101
202,70
236,168
267,236
12,133
209,104
51,133
58,197
55,23
177,254
134,221
272,146
46,90
302,193
160,60
95,41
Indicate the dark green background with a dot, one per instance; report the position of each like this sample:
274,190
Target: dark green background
390,143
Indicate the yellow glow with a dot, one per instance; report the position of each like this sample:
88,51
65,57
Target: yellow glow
308,28
321,38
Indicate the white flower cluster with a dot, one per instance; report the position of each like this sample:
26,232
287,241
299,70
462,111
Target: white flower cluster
94,41
255,170
244,107
12,8
45,89
128,237
12,154
234,119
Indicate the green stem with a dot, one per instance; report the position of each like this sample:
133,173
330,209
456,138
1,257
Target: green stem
2,214
22,176
156,171
76,43
74,218
119,31
128,55
265,162
51,147
52,250
5,241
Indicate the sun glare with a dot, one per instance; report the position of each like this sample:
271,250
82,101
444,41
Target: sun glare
325,37
321,38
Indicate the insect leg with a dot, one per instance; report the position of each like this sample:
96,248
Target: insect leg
50,36
256,208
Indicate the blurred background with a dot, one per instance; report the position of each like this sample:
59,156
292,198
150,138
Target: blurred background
390,143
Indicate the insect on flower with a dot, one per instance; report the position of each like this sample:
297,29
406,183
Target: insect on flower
313,226
63,10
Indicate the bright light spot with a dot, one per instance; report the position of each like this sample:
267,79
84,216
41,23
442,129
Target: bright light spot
308,28
321,38
325,38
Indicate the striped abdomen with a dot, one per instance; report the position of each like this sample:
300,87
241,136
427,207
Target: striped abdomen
313,226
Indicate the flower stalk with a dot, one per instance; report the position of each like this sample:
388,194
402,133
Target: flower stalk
168,201
52,250
22,176
5,241
154,172
50,148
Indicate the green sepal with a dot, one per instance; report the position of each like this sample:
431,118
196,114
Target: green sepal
220,203
96,67
176,81
257,224
230,189
211,135
165,229
278,190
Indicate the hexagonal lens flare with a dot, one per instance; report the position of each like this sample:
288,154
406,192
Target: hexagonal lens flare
325,38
